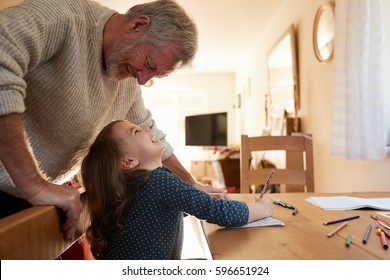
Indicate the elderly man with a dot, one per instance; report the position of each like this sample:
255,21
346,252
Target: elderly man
67,68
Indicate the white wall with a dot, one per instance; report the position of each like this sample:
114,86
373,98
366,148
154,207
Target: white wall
385,12
191,93
332,174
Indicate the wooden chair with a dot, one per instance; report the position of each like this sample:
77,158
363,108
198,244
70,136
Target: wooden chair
298,175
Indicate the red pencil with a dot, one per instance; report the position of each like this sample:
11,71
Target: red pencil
267,183
384,240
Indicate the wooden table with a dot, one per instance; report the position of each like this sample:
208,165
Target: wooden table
304,236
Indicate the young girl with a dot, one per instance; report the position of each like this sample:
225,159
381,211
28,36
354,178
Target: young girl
136,204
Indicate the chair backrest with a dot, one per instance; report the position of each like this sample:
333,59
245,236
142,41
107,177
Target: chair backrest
299,172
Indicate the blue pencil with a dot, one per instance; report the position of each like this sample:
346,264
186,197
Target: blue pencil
341,220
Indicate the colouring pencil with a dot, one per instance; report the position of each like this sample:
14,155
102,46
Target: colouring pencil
267,183
349,240
337,229
365,238
341,220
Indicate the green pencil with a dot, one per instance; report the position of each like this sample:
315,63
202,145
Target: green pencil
349,239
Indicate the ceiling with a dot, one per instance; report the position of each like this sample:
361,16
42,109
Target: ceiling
227,28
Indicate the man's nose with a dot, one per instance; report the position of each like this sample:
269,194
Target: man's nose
144,76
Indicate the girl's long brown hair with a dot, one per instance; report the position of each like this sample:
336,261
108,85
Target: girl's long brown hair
108,191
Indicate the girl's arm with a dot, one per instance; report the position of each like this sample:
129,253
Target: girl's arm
174,164
226,213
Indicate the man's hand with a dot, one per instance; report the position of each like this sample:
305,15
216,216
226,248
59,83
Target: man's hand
219,192
67,198
173,163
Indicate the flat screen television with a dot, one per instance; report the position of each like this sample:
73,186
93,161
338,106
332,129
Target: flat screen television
206,130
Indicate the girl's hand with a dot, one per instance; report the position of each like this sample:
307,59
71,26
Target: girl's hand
261,208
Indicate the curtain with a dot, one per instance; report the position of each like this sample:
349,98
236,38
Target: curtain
359,130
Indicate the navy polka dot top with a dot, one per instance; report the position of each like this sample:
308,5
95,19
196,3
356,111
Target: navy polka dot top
154,225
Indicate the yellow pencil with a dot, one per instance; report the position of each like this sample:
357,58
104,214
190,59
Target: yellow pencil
337,229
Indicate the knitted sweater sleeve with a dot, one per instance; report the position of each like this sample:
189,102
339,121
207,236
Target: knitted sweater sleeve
31,34
22,40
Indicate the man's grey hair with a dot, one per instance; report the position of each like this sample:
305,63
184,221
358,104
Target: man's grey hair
170,26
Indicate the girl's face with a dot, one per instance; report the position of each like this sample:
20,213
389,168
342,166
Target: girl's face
139,147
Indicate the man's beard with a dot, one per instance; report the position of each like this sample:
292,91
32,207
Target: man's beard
118,57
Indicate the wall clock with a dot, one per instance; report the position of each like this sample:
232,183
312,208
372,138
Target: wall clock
323,32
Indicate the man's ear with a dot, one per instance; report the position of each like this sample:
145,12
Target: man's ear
129,163
139,24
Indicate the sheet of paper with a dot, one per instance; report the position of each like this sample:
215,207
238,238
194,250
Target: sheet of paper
349,202
266,222
384,214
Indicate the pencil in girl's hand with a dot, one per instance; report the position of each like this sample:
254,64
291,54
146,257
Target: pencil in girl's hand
267,183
